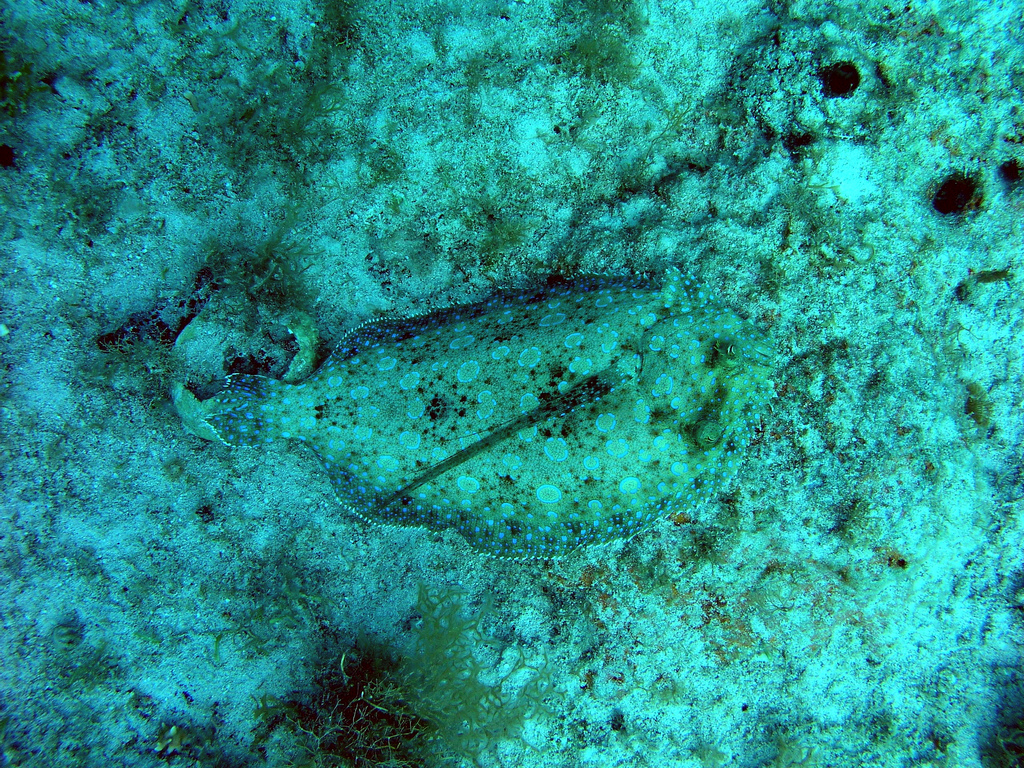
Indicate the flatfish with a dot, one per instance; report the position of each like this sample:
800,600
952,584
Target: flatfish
532,422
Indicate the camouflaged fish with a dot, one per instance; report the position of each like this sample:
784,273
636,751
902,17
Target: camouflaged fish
533,422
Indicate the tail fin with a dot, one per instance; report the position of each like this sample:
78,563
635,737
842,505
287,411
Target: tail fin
235,415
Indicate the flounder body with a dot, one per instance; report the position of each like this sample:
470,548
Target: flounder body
532,422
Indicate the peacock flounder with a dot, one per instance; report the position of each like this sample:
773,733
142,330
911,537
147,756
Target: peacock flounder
532,422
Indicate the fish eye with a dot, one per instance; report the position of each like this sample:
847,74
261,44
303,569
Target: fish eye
709,432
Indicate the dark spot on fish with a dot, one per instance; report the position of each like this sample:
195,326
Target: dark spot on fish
437,408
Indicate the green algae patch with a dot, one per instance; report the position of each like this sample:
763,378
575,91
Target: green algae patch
447,696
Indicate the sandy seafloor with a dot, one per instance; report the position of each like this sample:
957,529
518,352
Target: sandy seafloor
205,175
